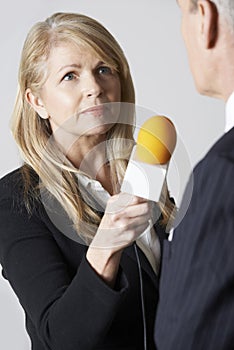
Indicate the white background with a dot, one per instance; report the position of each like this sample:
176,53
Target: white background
149,33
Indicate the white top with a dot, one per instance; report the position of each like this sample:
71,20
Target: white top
148,241
229,113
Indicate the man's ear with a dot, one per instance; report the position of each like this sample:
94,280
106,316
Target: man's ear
208,21
36,104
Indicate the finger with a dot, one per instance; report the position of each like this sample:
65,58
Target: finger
132,234
121,201
133,223
138,210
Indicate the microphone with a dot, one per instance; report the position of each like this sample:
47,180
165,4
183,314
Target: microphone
149,160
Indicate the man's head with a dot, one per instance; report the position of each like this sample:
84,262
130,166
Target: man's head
225,8
208,32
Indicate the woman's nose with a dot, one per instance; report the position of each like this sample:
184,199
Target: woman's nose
91,88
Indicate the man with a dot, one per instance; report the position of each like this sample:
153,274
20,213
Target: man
196,306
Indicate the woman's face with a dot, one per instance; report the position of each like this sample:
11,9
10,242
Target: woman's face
77,86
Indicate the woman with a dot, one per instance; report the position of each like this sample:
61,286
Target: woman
73,265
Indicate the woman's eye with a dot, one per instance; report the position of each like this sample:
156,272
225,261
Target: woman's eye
69,76
104,70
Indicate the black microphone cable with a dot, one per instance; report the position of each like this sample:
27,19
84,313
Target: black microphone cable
142,296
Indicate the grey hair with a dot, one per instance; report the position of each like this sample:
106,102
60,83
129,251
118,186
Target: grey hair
225,9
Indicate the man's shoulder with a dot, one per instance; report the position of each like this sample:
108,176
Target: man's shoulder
220,157
224,147
213,175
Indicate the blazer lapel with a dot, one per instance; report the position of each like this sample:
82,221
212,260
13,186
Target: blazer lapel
145,265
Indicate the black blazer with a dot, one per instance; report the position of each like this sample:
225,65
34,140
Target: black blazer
67,305
196,308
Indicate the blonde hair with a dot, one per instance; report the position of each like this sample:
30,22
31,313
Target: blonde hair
33,133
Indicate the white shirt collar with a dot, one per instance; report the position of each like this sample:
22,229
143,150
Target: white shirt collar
93,192
229,113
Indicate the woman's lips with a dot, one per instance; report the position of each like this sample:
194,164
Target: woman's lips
96,111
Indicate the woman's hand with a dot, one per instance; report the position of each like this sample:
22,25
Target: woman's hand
125,218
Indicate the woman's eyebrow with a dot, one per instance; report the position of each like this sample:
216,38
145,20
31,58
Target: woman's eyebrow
74,65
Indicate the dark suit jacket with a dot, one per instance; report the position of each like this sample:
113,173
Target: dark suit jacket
67,305
196,307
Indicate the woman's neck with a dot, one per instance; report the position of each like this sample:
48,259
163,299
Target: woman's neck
88,154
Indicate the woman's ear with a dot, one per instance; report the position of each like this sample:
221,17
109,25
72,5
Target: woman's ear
36,104
208,21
